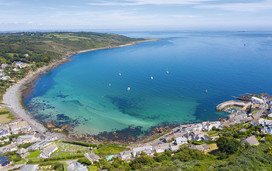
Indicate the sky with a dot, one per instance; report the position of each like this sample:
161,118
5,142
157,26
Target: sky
22,15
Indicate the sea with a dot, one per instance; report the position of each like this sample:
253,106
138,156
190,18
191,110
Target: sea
177,80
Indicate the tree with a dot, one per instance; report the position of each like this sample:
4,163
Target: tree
228,145
47,59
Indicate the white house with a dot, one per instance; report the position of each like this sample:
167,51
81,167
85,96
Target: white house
139,150
256,100
27,139
180,140
47,151
161,148
20,64
75,166
92,157
174,148
5,78
125,155
4,133
8,148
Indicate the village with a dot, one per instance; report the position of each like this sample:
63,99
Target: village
21,139
6,69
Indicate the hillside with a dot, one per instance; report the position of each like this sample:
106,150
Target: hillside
21,53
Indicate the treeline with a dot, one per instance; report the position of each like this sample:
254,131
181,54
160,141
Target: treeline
80,143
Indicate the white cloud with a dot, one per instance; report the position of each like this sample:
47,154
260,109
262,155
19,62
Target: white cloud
241,7
147,2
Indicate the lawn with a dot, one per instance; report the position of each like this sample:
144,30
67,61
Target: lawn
4,119
212,147
34,154
104,150
6,116
212,133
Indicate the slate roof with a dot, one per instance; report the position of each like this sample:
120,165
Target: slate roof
4,160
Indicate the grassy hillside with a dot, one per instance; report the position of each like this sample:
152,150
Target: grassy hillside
40,49
13,47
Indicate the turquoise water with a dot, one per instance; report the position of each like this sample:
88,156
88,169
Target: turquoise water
225,63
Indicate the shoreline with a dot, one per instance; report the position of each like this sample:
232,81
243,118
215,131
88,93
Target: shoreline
13,96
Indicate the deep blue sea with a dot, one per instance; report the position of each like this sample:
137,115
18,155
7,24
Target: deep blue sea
90,92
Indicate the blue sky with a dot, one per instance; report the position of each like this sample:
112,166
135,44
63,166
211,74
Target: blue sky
135,14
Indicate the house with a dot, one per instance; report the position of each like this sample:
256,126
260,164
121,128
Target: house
202,147
4,161
38,145
5,78
166,139
52,138
161,148
174,148
23,152
92,157
198,135
210,125
180,140
16,69
20,64
125,155
75,166
252,140
267,129
27,139
22,126
257,100
4,133
47,151
4,66
139,150
242,130
8,148
29,167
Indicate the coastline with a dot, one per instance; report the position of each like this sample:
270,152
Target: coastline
12,98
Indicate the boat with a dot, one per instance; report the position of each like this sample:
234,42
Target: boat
109,84
167,72
151,78
128,89
206,91
120,74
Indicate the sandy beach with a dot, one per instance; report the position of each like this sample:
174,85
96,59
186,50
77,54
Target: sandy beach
13,96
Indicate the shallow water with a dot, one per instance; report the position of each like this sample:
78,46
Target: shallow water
225,63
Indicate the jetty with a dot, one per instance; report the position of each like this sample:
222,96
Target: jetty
243,105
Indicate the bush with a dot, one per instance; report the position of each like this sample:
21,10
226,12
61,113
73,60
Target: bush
84,161
228,145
